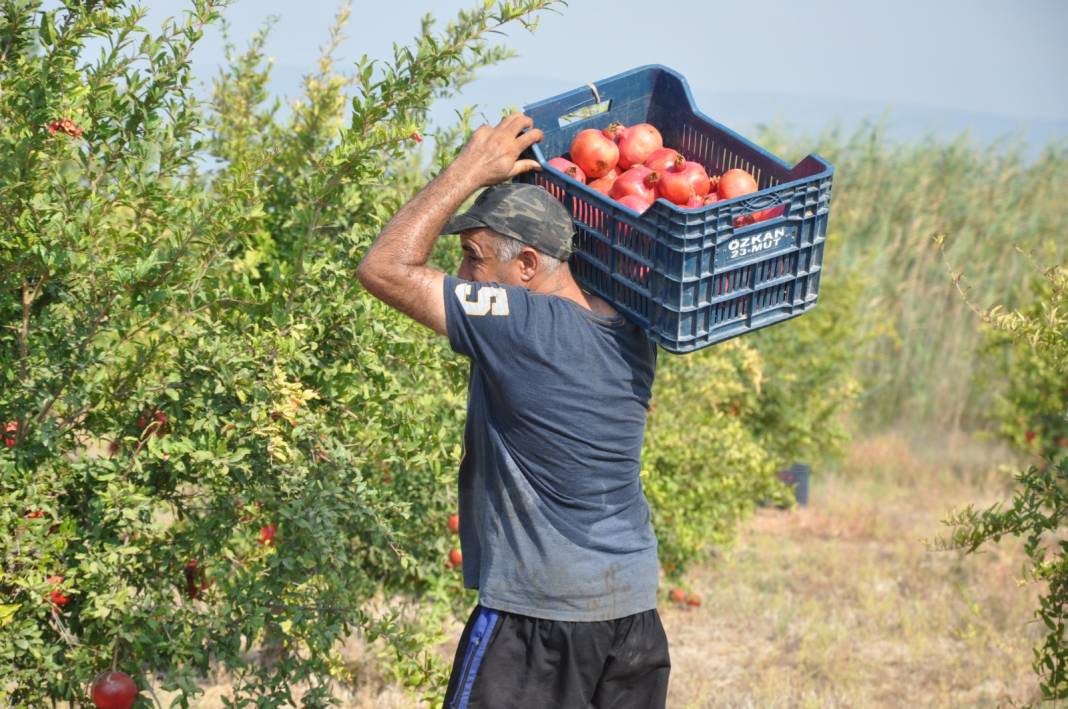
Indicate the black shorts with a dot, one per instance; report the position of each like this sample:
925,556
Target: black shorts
508,660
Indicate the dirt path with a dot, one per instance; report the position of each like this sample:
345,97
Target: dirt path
840,605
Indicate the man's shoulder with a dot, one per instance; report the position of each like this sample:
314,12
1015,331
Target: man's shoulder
602,307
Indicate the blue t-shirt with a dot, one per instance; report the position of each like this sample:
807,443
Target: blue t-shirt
553,520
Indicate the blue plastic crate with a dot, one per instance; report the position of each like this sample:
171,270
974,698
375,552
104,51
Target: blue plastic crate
691,278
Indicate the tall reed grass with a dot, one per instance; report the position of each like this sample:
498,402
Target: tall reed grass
921,360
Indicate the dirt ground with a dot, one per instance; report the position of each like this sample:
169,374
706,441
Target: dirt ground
841,604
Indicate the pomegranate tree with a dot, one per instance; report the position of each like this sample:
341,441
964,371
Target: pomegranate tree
179,371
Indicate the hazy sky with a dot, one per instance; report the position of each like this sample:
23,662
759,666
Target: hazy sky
998,57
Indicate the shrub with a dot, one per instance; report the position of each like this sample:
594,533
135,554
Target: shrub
1037,511
223,447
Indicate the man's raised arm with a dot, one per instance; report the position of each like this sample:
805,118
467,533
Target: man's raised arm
394,269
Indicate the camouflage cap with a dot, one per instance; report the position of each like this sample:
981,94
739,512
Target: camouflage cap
525,212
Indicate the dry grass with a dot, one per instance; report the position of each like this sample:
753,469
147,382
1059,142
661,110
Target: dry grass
840,603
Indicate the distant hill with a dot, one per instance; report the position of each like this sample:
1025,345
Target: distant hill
745,111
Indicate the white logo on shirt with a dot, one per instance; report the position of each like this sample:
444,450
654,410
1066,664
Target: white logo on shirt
491,300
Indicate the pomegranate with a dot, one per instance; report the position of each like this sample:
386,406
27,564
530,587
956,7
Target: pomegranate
633,201
455,558
604,184
639,181
640,273
190,571
683,180
770,213
637,143
454,523
677,595
56,596
692,599
267,534
569,168
196,581
711,198
113,690
593,153
662,159
694,202
735,183
11,429
614,132
66,126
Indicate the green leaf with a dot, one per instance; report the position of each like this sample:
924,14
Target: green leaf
47,31
7,613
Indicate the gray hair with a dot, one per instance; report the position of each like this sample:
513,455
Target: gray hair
508,248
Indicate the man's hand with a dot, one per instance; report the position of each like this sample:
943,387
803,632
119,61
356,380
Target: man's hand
491,155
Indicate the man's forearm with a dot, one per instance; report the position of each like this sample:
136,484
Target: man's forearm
394,269
408,238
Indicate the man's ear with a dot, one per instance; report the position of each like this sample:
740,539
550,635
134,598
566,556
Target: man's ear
529,260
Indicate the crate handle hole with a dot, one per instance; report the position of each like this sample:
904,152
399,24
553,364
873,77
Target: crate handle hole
584,112
759,215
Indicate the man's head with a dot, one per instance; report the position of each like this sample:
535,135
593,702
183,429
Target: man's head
514,233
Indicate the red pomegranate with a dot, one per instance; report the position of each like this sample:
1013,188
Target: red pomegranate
593,153
633,201
683,180
569,168
639,181
56,596
614,131
455,558
735,183
604,184
662,159
66,126
765,214
113,690
11,428
267,534
637,143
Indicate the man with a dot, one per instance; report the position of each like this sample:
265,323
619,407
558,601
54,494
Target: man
554,527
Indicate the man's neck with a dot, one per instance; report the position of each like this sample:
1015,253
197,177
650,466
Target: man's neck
564,285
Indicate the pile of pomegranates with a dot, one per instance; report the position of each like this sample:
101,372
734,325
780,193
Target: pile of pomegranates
631,165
